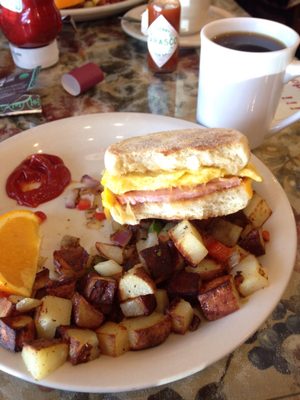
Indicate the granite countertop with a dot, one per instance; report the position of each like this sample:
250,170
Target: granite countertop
267,366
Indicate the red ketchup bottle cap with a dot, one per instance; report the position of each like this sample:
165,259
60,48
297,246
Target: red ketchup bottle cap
80,79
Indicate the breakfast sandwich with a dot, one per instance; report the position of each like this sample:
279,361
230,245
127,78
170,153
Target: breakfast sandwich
180,174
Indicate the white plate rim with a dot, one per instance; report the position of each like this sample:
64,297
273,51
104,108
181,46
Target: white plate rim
177,356
91,13
185,41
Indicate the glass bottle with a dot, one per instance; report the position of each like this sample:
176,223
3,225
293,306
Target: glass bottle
163,36
30,23
31,27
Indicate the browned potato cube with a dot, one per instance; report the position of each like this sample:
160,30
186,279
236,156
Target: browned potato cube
257,211
138,306
181,313
71,262
42,279
100,291
162,300
43,356
158,261
15,331
113,339
83,344
135,282
184,284
84,314
254,242
109,268
188,242
219,297
110,252
146,332
64,288
249,276
225,231
7,307
53,312
208,269
27,304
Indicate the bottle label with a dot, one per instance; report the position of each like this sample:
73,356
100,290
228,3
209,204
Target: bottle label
162,40
12,5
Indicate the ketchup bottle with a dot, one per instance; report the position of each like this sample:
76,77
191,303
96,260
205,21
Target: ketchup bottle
163,37
31,24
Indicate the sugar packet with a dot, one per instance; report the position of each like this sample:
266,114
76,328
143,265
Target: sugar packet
14,99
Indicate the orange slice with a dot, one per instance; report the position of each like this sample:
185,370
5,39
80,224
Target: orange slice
67,3
19,251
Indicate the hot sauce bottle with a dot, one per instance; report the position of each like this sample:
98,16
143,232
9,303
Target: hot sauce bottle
163,37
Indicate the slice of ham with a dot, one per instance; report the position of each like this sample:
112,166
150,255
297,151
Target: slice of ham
175,194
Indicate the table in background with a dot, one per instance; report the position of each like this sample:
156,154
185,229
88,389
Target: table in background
256,370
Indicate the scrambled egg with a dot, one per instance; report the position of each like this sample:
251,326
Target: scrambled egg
122,184
163,180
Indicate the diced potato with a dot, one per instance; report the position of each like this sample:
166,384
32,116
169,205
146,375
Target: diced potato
113,339
7,307
100,291
185,285
219,297
146,332
162,300
110,251
196,321
138,306
188,242
15,331
84,314
257,211
181,313
42,279
109,268
71,262
224,231
135,282
44,356
158,261
207,269
65,288
53,312
249,276
27,304
254,242
83,344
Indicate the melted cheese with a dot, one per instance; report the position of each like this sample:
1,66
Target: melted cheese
164,180
113,208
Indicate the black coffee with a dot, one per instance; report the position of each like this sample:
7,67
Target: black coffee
248,41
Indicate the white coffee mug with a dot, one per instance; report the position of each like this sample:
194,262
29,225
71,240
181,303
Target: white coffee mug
241,89
193,15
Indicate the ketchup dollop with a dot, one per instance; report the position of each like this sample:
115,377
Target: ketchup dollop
38,179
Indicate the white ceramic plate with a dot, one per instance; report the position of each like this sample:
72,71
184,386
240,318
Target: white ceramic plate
81,142
133,29
91,13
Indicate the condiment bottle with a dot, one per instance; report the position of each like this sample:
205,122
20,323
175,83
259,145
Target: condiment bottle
163,36
31,27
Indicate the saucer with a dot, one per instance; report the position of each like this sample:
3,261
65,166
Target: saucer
133,29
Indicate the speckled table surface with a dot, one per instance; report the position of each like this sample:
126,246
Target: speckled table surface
267,366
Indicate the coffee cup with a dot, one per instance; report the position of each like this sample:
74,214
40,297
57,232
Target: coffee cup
193,15
242,75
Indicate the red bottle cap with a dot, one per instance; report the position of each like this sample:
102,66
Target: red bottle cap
80,79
